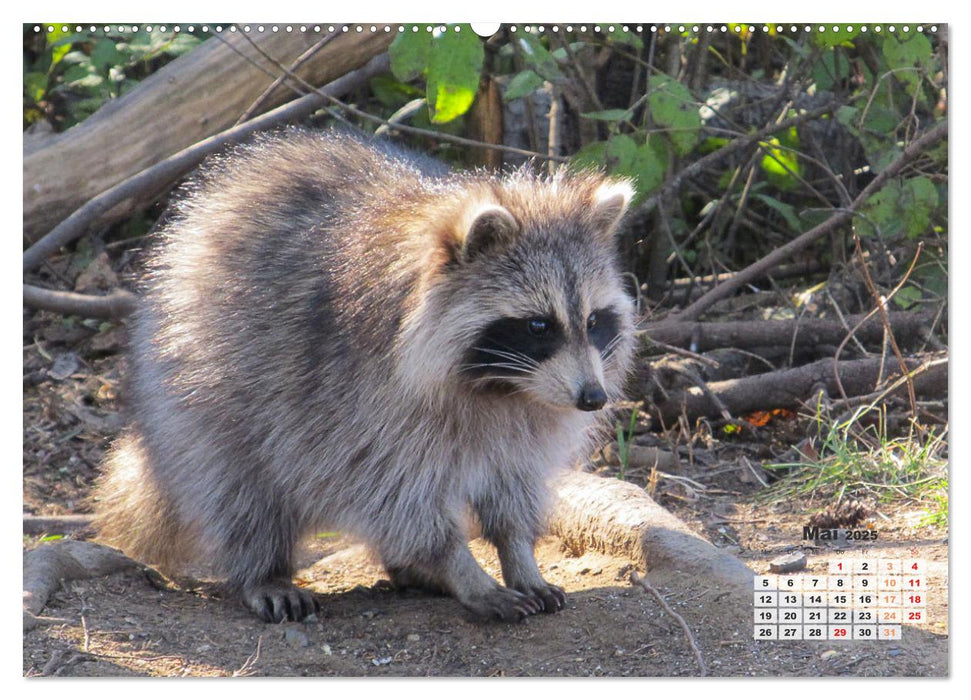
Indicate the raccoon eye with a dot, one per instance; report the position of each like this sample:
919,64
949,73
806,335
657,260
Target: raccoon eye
538,326
591,321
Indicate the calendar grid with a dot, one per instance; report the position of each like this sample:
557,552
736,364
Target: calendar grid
862,599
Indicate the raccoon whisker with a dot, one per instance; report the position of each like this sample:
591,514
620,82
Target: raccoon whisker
515,356
609,348
499,365
520,390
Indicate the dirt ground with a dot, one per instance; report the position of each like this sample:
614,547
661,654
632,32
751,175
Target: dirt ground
124,625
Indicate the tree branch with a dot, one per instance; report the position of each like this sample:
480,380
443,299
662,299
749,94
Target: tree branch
117,304
789,388
701,337
841,216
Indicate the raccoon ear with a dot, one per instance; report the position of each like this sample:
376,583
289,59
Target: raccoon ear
493,228
610,202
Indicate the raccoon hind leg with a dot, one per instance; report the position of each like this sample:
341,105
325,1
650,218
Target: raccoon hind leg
253,543
132,511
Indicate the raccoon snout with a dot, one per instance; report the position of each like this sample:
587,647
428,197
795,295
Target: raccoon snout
592,397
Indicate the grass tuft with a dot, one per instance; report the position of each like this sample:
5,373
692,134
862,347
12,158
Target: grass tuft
857,458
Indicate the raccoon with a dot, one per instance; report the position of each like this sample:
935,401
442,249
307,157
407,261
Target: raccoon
335,333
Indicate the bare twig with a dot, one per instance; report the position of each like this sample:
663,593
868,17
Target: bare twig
714,364
440,136
117,304
299,61
881,302
248,667
739,144
868,316
553,135
839,217
642,582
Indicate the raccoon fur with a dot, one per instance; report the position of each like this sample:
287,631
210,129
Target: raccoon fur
335,333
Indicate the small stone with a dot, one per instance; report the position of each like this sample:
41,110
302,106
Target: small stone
382,661
413,637
296,637
64,366
796,561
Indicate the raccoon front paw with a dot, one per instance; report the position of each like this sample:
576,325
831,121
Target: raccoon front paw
279,601
503,604
549,597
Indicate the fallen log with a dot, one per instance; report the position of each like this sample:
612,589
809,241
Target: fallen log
701,337
46,566
790,388
196,95
176,165
619,518
55,524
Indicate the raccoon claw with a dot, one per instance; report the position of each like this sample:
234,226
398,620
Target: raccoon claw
505,604
280,602
551,598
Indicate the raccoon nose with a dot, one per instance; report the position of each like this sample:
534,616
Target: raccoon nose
592,397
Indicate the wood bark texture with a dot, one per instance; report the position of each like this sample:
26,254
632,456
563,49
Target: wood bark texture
195,96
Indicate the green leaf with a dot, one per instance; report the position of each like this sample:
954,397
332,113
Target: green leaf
35,86
907,296
454,70
875,133
104,55
59,52
608,115
672,106
56,33
522,84
536,56
848,116
593,155
392,93
645,163
909,59
829,38
780,165
830,69
902,208
917,204
409,54
451,63
787,211
881,210
628,38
